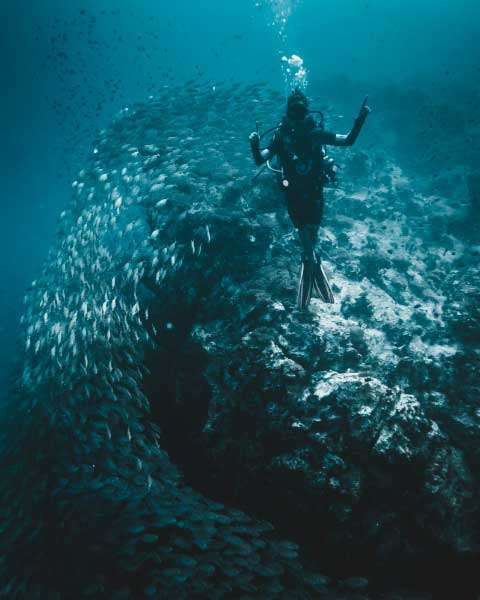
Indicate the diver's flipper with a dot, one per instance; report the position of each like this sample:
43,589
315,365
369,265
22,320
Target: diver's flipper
305,284
320,283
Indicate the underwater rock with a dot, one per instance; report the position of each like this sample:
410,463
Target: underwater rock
357,167
168,377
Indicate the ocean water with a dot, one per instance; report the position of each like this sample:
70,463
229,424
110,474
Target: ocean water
126,125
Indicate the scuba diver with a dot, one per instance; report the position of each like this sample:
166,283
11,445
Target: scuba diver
298,143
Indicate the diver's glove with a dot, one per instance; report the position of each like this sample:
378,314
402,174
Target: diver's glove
365,110
255,146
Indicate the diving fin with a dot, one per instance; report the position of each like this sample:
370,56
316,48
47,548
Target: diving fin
305,284
313,280
320,283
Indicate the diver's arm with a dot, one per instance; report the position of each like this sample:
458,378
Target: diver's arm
259,156
350,138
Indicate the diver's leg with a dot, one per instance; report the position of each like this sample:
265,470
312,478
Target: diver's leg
317,218
307,242
313,233
305,217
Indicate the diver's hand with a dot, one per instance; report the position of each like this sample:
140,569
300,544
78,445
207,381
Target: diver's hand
254,140
365,110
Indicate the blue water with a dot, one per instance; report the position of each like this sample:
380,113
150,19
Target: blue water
68,67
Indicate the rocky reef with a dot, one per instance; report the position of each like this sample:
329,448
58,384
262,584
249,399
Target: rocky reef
176,417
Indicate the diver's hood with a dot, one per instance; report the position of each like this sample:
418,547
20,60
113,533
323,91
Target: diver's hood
296,111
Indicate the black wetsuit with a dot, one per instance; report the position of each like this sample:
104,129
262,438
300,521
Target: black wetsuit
301,157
